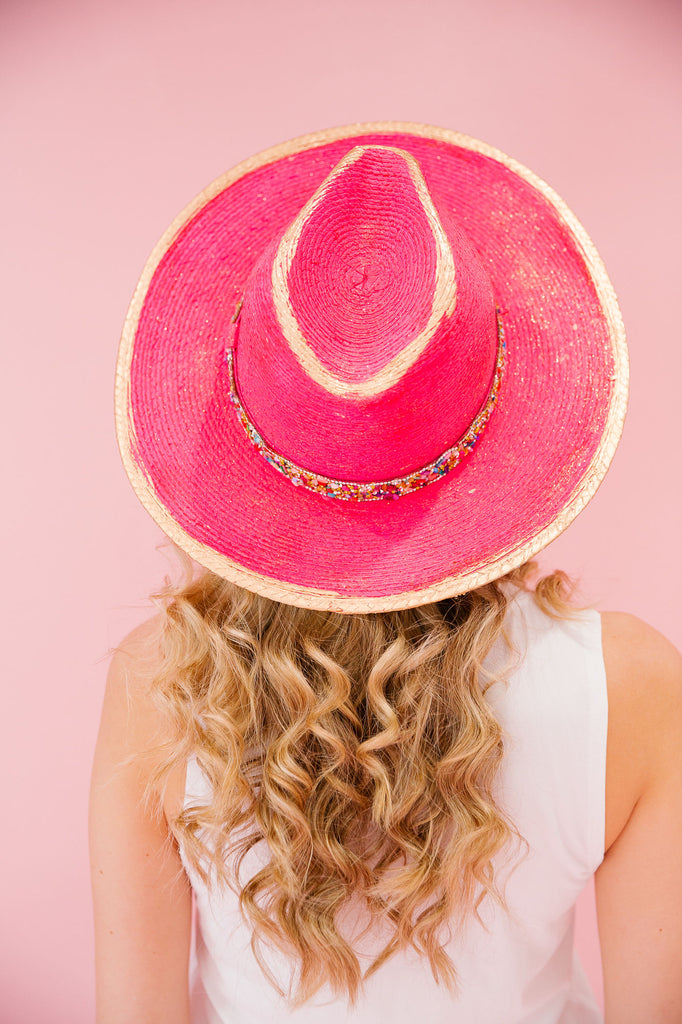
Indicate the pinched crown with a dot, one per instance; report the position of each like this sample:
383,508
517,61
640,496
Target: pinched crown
368,344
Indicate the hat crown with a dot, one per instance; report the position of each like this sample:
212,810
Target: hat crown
367,340
364,274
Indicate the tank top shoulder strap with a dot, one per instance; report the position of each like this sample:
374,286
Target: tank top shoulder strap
555,710
197,789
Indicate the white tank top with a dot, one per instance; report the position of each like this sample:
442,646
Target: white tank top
524,970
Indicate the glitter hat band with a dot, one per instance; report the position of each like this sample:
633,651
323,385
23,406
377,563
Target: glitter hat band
372,261
350,490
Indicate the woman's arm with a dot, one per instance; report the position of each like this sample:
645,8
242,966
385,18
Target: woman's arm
639,883
142,898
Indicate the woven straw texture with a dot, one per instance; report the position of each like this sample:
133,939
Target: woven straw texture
366,262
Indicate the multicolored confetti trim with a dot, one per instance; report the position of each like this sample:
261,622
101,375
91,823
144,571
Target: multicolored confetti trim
350,490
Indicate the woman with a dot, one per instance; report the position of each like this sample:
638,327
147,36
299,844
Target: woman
365,377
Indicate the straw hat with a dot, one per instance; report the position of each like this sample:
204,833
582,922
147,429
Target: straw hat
371,368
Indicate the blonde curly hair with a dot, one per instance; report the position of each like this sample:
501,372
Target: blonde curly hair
359,747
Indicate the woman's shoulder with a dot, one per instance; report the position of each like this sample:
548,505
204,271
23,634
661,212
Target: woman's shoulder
644,686
130,713
129,707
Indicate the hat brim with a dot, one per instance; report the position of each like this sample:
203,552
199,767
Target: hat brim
544,452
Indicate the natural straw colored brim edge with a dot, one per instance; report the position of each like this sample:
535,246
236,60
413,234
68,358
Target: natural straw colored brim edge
309,597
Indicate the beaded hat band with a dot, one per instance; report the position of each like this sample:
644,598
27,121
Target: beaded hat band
373,261
351,490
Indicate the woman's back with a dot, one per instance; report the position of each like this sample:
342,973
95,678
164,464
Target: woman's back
639,825
570,798
523,969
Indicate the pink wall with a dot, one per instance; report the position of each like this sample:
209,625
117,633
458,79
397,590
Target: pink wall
112,116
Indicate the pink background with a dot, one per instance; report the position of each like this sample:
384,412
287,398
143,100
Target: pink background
113,115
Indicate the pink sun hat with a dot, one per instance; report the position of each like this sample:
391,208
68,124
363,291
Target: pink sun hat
370,368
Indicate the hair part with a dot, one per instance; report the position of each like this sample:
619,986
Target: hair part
360,748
